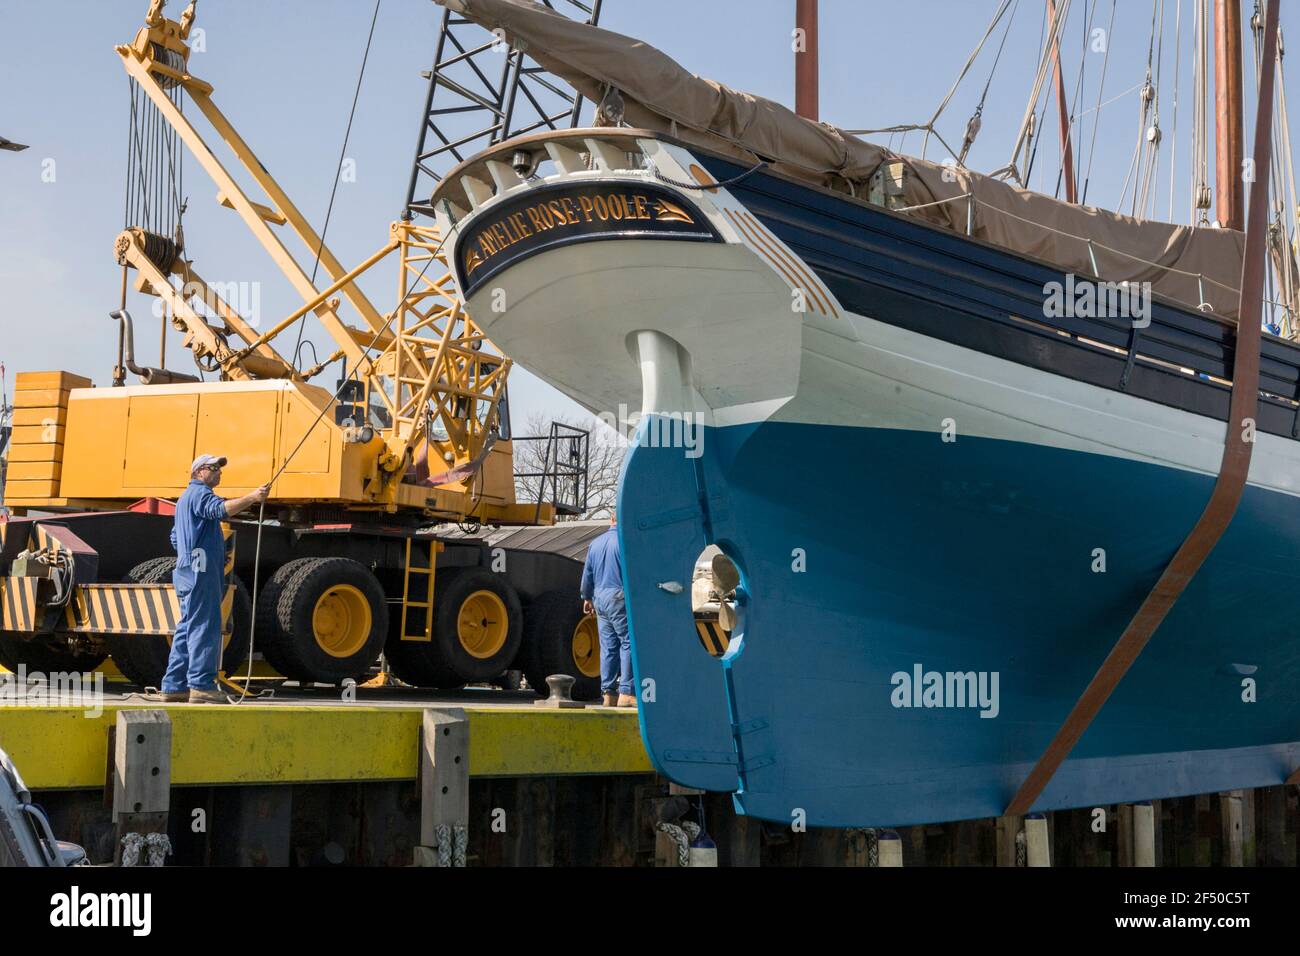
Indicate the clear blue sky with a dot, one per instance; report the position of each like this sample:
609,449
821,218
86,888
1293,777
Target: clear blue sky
285,71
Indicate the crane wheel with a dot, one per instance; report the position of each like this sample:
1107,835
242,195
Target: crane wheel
477,630
268,639
331,620
142,658
560,639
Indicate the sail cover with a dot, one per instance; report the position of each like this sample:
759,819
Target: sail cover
1198,267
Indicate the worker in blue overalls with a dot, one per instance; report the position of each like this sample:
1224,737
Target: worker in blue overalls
602,592
200,583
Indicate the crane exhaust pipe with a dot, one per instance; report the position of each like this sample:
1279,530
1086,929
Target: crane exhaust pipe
149,376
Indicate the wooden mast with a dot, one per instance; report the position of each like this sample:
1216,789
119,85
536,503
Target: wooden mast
1062,110
805,60
1228,135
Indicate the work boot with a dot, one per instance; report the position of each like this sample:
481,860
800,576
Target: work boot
170,696
207,697
608,700
626,700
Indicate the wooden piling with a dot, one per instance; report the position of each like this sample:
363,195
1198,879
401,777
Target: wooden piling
1007,830
1144,834
142,753
1230,810
444,787
1037,850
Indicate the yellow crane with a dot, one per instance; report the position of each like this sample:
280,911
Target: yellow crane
416,432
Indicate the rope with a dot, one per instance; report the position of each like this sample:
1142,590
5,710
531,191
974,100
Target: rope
453,843
872,839
1069,235
681,834
338,170
154,166
975,122
132,843
1173,129
937,202
1053,36
700,187
1149,135
156,847
970,61
1102,245
261,508
1200,122
928,126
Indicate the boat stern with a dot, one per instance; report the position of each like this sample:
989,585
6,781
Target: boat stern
568,246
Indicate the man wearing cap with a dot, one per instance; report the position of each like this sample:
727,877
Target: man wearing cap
200,583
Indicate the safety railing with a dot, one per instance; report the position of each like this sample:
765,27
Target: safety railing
562,460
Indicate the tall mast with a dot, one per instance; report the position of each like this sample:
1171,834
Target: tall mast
805,60
1067,151
1228,134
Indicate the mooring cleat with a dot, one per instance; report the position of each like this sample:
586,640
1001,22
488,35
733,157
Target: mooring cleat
561,686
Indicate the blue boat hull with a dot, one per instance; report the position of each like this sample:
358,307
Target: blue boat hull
871,553
890,576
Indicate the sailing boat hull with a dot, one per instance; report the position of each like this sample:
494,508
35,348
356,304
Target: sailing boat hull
944,503
917,622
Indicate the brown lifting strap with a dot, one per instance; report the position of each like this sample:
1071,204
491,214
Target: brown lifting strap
1232,470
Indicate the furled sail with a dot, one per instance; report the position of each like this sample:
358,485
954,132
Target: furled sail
1199,267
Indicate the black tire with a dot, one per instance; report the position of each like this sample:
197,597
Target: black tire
269,639
293,647
47,653
142,659
549,626
444,662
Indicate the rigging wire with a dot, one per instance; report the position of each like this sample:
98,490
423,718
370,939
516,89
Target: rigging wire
1282,190
1052,35
1154,133
1201,194
928,126
975,122
338,170
1096,120
343,381
1289,234
1139,164
1173,129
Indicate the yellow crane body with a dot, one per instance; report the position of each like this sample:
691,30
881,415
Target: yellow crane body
356,558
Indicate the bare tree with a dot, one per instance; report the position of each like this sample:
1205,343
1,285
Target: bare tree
605,463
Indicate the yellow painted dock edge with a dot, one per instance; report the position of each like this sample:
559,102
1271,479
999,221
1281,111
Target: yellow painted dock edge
58,748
